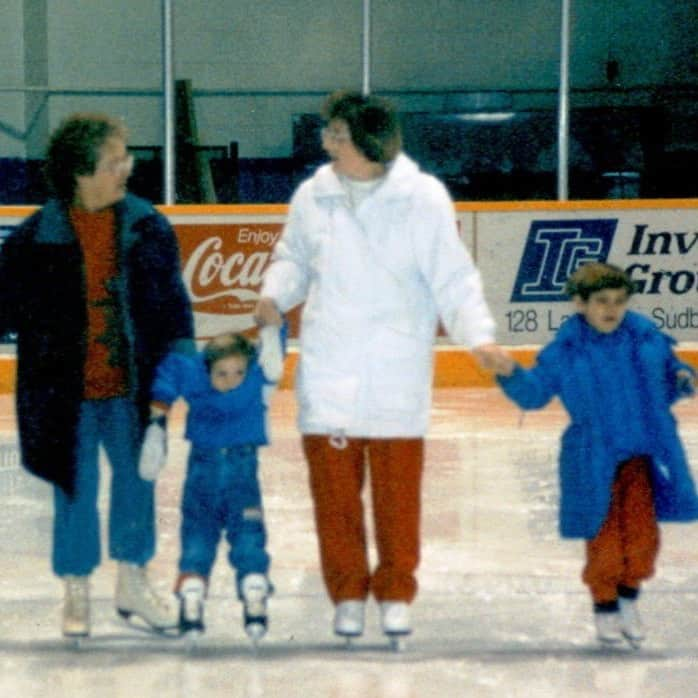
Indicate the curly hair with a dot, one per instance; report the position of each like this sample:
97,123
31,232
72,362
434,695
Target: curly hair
74,150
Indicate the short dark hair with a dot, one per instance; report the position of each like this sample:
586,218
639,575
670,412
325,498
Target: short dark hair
372,121
74,149
227,344
596,276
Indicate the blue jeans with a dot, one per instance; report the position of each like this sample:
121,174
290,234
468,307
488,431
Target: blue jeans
76,532
221,492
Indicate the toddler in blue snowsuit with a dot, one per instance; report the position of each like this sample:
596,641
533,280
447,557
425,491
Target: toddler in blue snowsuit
226,386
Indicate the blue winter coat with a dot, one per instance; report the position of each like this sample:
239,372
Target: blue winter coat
622,396
42,299
215,419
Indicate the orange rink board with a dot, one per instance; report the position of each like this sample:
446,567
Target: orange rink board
479,224
453,367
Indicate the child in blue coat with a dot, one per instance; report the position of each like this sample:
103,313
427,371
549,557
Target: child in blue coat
622,464
226,386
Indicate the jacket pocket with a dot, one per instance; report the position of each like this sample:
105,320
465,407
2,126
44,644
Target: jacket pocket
328,396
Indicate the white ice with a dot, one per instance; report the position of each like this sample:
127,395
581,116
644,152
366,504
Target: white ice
501,609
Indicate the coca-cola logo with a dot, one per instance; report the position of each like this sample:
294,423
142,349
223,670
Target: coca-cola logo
210,273
223,265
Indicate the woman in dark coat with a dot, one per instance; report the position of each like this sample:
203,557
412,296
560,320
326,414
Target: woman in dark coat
91,285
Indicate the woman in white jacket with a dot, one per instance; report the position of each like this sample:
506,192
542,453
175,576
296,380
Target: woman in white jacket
371,247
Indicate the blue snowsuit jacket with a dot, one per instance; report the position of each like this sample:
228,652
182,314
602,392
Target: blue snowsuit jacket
587,464
214,419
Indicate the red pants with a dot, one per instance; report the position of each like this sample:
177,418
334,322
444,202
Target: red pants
336,481
625,549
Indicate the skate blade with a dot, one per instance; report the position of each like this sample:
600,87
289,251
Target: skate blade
137,622
76,641
349,639
191,639
634,642
255,631
398,640
398,643
611,643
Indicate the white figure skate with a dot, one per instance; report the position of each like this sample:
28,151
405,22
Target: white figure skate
135,597
631,625
76,609
349,620
395,622
608,630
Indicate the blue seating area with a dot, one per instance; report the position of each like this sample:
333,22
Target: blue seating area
21,181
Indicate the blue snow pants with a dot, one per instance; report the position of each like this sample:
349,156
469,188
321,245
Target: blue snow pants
221,493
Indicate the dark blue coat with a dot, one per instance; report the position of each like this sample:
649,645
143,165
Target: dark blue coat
42,299
624,396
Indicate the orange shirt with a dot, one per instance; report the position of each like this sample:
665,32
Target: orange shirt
105,366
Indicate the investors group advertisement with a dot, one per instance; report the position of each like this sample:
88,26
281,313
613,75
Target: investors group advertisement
526,258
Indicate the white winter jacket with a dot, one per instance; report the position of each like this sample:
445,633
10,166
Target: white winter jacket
374,281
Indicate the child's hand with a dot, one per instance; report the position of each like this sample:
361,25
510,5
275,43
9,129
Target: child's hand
494,358
506,367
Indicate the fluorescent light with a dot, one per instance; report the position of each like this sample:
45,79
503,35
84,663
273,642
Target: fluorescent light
492,117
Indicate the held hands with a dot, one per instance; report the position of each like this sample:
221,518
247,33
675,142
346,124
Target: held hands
266,313
154,450
270,355
493,358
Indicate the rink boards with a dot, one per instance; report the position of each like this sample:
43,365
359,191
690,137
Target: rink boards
524,250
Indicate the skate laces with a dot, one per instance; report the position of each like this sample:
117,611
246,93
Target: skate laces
149,595
255,597
256,602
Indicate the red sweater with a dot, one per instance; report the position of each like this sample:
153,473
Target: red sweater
105,374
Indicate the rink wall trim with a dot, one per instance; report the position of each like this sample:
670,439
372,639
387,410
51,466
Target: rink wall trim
454,367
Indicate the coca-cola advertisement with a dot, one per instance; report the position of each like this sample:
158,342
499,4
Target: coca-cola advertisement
223,267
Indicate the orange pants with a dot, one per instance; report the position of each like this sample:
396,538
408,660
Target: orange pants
336,482
624,551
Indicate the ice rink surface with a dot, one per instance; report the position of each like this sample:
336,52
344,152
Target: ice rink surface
501,609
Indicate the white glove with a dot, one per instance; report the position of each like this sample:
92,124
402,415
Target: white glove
270,355
153,452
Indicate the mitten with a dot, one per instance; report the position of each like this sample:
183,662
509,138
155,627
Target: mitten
685,383
270,355
154,450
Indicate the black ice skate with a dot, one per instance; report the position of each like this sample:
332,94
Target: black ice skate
191,606
255,590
